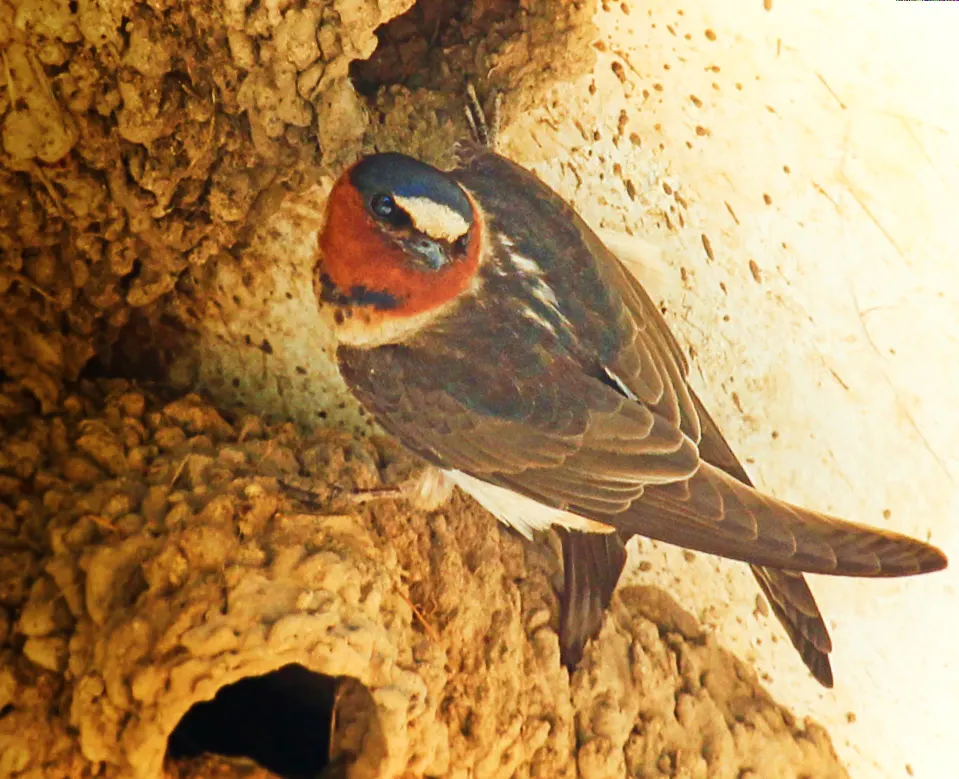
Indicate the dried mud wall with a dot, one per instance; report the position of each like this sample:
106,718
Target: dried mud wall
165,561
163,168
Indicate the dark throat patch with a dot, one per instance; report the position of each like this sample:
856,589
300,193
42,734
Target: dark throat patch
356,296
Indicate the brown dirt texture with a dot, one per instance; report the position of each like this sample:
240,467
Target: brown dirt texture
152,556
151,153
162,170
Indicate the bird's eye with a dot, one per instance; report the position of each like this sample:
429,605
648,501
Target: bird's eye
383,206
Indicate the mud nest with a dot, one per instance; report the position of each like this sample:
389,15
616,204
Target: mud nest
153,559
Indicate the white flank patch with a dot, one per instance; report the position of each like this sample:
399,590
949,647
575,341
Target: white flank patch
434,219
432,489
523,514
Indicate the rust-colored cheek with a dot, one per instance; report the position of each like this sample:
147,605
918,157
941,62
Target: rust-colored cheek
357,255
349,242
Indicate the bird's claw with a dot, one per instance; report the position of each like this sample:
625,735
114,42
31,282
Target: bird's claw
419,491
484,129
304,491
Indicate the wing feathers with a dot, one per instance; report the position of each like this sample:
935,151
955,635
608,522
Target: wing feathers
592,564
787,592
715,513
793,604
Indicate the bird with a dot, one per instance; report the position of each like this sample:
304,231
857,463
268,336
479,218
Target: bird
482,323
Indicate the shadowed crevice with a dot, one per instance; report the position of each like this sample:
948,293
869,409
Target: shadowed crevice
421,47
284,721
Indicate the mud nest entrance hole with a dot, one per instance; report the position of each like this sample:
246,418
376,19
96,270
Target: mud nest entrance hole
410,45
282,720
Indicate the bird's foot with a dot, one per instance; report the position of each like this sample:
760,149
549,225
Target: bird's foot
427,491
485,129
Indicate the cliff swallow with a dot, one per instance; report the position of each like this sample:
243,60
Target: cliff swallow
484,325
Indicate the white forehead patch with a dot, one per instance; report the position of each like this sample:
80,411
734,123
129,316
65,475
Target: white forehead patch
434,219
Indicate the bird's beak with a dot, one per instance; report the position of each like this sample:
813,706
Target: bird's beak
430,252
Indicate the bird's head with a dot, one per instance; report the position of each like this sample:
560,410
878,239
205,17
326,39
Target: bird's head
401,242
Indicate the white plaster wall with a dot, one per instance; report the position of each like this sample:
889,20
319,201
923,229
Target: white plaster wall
836,375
